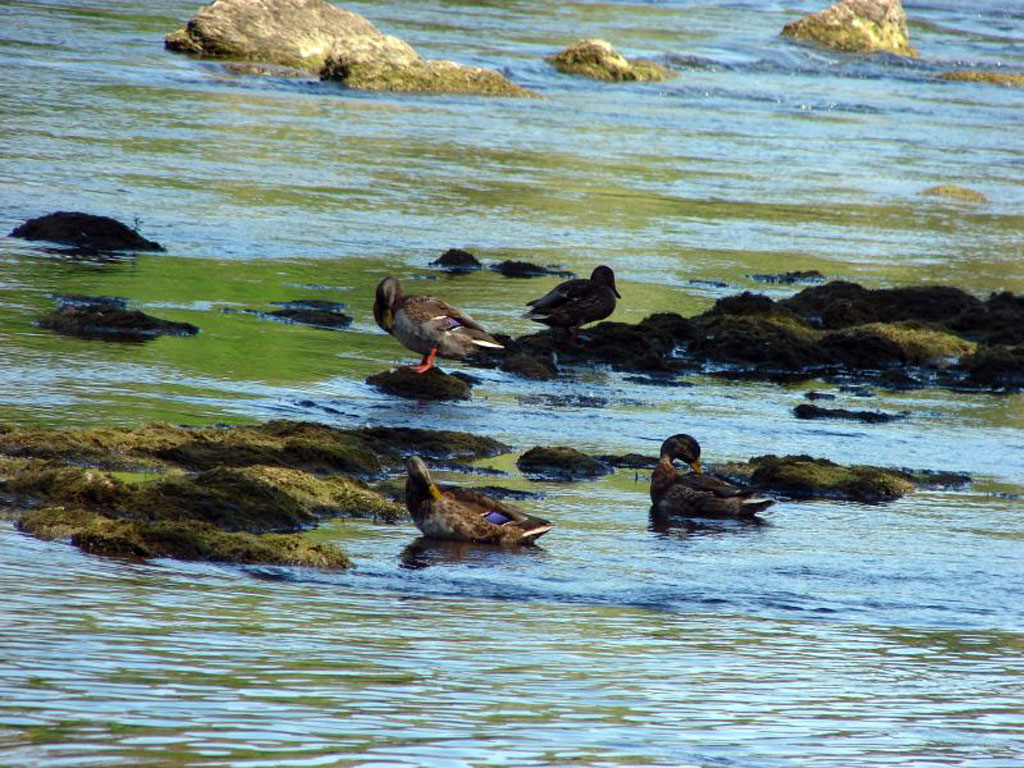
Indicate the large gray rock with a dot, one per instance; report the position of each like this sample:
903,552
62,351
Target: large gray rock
857,26
336,44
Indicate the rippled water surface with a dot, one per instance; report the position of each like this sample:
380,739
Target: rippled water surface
836,634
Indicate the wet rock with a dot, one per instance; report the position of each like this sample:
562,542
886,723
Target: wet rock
1008,79
100,317
659,380
457,260
560,463
396,443
85,232
315,313
813,395
597,59
879,345
952,190
539,368
809,411
434,384
317,37
856,26
1000,320
788,278
630,461
770,340
525,269
996,366
941,479
805,477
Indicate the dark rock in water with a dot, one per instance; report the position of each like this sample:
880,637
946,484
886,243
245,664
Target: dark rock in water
659,380
788,278
819,396
931,478
999,321
85,232
809,411
457,260
804,477
511,268
397,442
540,367
467,378
996,366
434,384
560,463
498,492
106,318
312,312
630,461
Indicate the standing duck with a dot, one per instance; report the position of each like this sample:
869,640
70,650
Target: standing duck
576,302
461,514
696,494
427,325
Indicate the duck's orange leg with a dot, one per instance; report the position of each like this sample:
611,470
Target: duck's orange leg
425,364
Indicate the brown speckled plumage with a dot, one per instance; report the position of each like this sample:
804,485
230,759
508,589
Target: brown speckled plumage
460,514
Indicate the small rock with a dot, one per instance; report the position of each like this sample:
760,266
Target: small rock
630,461
434,384
457,260
812,395
560,463
954,191
539,368
312,312
106,318
86,232
808,411
1007,79
597,59
524,269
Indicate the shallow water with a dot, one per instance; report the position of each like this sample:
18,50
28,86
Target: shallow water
837,634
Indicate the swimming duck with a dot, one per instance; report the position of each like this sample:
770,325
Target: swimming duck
696,494
427,325
461,514
576,302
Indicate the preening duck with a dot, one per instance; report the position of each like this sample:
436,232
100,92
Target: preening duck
427,325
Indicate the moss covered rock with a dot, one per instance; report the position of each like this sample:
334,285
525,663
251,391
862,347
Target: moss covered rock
434,384
424,76
100,317
457,260
996,366
597,59
85,232
1007,79
560,463
856,26
954,191
804,477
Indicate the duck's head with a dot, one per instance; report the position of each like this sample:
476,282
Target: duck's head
420,476
604,276
389,293
684,448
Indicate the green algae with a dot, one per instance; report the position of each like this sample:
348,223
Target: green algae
560,463
1006,79
804,477
955,191
598,60
422,76
874,344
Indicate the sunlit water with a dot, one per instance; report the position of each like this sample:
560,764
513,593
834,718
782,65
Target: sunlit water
837,634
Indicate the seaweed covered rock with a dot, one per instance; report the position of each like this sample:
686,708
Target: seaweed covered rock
954,191
1007,79
525,269
880,345
434,384
456,260
540,367
101,317
560,463
86,232
597,59
810,411
856,26
317,37
804,477
996,366
396,443
312,312
788,278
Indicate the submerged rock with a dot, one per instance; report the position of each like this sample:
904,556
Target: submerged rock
312,312
85,232
1008,79
953,190
434,384
524,269
856,26
597,59
100,317
560,463
804,477
456,260
317,37
809,411
539,368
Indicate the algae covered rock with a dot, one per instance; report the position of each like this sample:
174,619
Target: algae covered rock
85,232
434,384
999,365
456,260
1006,79
954,191
804,477
398,442
336,44
560,463
101,317
312,312
539,368
811,411
597,59
856,26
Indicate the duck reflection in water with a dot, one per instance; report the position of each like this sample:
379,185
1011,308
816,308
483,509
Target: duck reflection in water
424,552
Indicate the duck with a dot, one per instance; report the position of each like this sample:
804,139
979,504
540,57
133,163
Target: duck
461,514
697,494
575,303
427,325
